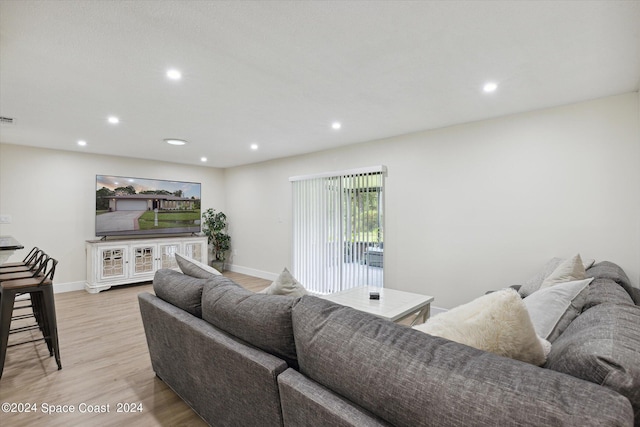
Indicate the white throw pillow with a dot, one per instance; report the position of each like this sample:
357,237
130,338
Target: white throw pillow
193,268
569,271
546,346
534,282
497,322
285,284
549,305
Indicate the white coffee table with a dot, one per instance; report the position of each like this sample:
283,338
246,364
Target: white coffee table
392,305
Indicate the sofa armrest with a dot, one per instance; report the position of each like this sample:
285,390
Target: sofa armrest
602,346
224,380
306,403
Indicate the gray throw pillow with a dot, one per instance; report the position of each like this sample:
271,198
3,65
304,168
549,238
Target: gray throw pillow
195,268
183,291
285,284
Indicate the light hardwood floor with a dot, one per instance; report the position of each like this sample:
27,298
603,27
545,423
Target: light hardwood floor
105,361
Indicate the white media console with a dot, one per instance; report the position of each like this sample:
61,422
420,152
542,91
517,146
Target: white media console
126,261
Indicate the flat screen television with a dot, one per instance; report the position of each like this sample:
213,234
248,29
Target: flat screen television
139,206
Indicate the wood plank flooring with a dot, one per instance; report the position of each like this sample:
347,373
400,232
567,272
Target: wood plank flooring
105,361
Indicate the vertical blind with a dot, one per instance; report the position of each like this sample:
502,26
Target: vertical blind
338,229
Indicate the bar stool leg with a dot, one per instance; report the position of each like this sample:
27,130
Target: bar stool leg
50,320
6,311
39,313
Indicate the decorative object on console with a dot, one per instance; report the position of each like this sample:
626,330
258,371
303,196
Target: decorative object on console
193,268
214,227
285,284
497,322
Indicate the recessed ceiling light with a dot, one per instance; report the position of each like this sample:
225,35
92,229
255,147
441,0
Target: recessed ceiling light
203,159
82,143
174,74
113,120
336,125
490,87
254,146
174,141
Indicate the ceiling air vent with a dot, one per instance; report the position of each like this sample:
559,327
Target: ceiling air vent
6,120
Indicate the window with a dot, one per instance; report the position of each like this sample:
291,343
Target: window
338,229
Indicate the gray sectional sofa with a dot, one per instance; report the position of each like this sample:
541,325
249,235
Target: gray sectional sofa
244,359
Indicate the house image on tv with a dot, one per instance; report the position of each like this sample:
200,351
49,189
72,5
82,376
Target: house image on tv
147,202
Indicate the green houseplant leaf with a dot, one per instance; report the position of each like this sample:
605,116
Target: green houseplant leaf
214,226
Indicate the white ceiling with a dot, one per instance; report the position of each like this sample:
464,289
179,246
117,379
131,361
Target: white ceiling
278,73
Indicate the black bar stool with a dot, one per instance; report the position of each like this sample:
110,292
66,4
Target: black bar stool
31,255
30,264
40,289
34,264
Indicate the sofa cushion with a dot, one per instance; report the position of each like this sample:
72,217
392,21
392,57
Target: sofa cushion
609,270
553,308
285,284
263,321
603,346
183,291
191,267
606,290
225,380
409,378
497,322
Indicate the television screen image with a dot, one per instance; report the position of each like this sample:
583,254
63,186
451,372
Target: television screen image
130,206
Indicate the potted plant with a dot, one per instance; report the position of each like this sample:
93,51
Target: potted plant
214,227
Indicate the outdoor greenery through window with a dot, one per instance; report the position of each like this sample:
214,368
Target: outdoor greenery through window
338,235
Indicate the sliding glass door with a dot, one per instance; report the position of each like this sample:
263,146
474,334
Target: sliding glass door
338,236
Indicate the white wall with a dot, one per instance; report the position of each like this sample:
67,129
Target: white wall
476,206
469,208
50,195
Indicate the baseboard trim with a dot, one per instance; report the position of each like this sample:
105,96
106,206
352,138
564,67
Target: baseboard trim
59,288
437,310
252,272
